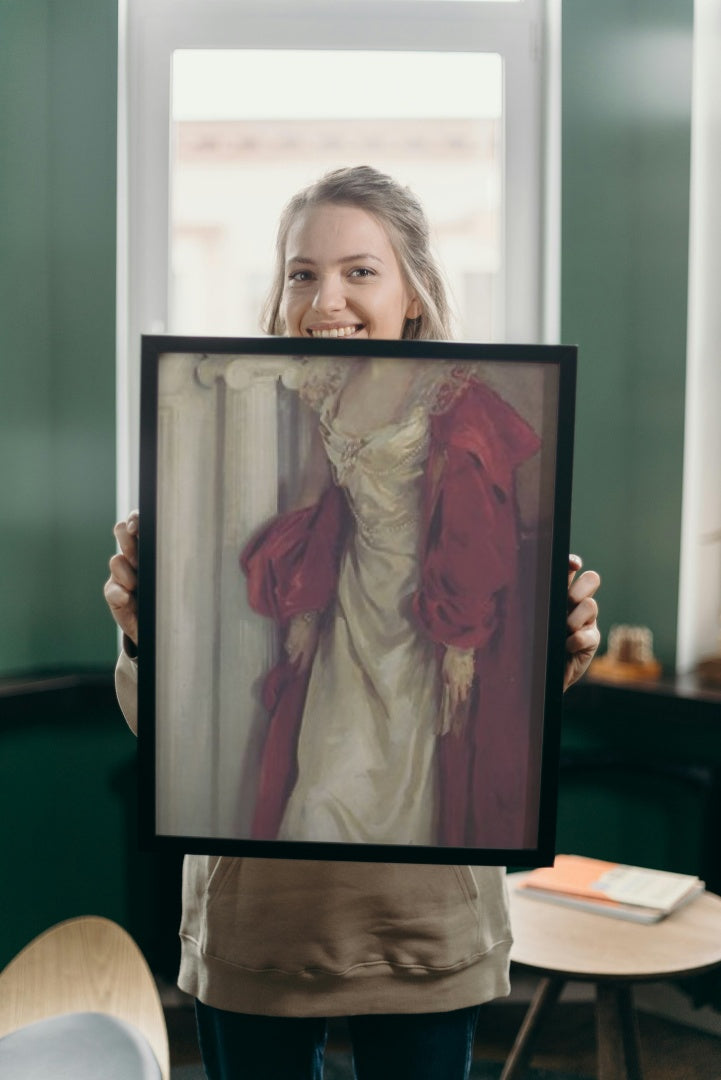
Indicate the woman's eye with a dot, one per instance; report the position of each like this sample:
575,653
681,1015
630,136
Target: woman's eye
362,272
300,276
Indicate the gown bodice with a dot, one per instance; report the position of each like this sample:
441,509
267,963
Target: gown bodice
381,473
368,732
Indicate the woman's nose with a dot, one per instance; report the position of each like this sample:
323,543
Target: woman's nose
329,295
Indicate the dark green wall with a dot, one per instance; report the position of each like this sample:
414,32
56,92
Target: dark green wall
66,760
68,807
626,145
58,73
626,132
641,778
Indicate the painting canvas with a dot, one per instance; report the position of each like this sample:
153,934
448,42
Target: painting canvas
352,627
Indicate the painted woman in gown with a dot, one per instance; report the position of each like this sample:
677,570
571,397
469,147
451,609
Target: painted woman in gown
413,547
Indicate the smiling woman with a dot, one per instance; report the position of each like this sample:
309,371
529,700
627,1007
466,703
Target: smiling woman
395,578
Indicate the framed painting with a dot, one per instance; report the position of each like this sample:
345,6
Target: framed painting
352,597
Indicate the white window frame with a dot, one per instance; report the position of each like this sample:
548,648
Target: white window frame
526,34
699,596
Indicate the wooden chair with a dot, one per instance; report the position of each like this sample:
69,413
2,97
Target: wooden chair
85,967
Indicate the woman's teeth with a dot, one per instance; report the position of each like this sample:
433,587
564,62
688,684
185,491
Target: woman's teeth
336,332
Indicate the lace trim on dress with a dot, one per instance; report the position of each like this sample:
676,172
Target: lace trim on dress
317,379
439,386
435,389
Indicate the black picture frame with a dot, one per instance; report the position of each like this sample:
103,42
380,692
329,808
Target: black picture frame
222,423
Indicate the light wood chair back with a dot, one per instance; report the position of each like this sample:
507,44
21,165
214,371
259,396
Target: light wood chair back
88,964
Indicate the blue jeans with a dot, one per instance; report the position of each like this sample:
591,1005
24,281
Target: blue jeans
414,1046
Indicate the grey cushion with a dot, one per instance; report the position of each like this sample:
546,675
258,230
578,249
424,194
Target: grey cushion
78,1046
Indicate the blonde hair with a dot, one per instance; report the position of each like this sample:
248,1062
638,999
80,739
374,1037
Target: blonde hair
403,217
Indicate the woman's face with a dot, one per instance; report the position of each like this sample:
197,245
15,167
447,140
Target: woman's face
342,277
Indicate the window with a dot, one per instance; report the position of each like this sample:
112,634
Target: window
235,161
447,95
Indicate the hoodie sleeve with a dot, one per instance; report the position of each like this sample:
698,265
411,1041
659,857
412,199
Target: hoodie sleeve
126,688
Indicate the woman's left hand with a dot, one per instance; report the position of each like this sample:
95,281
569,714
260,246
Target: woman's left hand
583,635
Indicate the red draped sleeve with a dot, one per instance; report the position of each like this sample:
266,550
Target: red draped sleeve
471,536
292,564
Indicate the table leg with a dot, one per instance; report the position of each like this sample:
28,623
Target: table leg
617,1033
545,997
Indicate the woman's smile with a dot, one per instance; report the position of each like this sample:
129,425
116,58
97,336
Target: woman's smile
323,331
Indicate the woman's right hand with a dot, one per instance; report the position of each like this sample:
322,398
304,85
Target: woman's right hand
121,587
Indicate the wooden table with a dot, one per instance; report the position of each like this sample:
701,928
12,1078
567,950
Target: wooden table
563,944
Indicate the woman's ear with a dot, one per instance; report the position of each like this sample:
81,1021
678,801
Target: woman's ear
415,309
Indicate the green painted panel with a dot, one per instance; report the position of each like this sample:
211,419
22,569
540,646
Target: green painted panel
82,205
58,75
626,147
25,395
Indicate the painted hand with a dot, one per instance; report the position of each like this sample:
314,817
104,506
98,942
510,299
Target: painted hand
457,675
302,640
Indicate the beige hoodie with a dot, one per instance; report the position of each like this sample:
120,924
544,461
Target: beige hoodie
294,938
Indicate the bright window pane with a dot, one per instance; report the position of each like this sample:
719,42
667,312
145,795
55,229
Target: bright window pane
250,128
462,1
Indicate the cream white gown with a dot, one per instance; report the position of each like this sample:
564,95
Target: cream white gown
367,739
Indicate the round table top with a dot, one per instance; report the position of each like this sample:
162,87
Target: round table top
559,940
